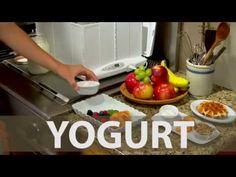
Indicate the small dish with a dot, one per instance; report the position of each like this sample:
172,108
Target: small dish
190,135
203,130
88,87
169,112
105,102
20,60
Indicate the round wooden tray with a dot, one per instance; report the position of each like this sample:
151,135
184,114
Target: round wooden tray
130,97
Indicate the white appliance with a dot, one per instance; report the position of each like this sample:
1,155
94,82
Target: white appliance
107,48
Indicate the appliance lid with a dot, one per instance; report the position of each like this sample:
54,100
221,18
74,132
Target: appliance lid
149,33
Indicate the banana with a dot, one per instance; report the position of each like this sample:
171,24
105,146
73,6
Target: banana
184,88
177,81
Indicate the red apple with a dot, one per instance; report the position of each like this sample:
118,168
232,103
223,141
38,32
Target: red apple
157,80
131,82
159,75
164,91
143,91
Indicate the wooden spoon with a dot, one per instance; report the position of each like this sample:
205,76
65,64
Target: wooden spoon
210,36
222,33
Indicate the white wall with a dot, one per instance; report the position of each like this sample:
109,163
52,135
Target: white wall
193,30
225,73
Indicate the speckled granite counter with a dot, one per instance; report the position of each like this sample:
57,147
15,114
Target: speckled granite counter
227,131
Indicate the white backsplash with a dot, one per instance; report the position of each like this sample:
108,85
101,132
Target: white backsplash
225,72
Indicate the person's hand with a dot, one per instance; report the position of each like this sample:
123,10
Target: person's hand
69,72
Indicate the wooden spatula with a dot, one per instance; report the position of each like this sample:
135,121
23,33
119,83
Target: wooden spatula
222,33
210,36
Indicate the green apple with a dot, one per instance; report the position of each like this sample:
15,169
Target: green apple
141,68
146,80
137,71
137,77
142,75
148,72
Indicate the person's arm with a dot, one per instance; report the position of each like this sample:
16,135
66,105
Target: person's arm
19,41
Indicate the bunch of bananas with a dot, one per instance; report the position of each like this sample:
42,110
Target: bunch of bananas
179,82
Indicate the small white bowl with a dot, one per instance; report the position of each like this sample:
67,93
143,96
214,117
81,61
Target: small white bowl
170,113
88,87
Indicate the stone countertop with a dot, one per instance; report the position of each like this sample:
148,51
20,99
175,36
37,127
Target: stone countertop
226,137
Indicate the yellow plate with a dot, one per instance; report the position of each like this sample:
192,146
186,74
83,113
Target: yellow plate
131,97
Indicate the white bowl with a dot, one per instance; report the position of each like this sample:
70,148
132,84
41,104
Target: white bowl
170,113
88,87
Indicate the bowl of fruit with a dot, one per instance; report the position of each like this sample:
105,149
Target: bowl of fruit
154,86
